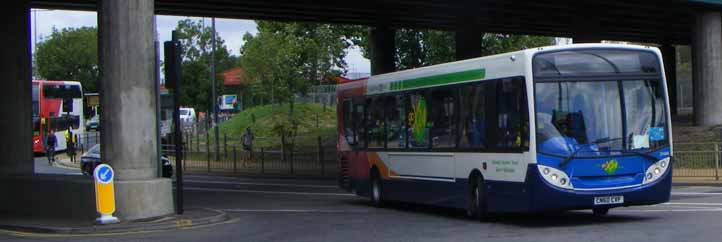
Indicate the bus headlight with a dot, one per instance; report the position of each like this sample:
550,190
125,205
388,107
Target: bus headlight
656,170
555,177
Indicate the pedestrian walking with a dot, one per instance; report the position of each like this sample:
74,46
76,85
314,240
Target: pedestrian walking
70,140
50,143
247,140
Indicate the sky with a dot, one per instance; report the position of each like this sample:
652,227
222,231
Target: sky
230,30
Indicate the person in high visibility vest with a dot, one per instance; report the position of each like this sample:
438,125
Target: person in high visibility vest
70,140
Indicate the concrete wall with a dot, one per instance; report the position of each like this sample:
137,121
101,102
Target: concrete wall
15,95
48,196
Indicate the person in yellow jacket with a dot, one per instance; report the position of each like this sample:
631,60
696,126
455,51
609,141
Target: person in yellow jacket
70,139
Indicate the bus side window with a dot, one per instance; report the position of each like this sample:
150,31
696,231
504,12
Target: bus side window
375,124
358,122
418,120
349,132
396,119
512,120
443,118
473,116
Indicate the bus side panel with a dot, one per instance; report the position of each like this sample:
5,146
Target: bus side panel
435,193
359,171
505,196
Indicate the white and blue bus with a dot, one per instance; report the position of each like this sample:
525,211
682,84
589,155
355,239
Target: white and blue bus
554,128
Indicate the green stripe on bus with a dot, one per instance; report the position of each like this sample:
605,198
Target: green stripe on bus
439,79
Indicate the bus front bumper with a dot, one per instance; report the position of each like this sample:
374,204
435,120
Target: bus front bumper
545,197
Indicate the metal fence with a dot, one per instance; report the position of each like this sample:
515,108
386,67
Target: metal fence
697,160
199,156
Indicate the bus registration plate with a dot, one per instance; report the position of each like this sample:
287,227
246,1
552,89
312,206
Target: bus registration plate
608,200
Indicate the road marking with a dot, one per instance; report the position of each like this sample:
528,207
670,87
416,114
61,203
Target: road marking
234,210
258,184
697,193
265,192
672,210
693,204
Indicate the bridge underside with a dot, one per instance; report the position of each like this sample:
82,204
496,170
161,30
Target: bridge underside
631,20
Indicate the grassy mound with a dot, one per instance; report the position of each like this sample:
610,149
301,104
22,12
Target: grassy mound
262,120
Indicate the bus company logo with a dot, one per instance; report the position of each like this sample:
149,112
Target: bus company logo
610,166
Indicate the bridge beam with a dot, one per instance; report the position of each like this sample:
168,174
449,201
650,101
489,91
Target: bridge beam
128,134
707,64
468,34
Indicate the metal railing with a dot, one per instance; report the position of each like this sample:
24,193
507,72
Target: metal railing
697,160
199,156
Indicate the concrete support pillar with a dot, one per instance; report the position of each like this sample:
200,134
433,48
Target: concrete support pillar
585,23
468,42
669,54
382,44
128,134
468,34
707,80
15,95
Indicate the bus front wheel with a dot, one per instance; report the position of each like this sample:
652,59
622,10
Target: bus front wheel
477,208
376,189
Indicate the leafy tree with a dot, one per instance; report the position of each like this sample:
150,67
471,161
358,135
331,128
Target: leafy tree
284,59
196,41
70,54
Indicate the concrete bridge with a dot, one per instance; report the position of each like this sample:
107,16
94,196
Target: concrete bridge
126,31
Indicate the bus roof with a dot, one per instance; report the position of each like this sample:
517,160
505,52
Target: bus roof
504,65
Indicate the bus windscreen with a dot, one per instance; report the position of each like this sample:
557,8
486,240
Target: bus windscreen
585,62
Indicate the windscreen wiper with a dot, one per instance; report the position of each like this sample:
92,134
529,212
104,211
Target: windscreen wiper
570,157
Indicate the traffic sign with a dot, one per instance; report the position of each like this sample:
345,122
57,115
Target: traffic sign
104,194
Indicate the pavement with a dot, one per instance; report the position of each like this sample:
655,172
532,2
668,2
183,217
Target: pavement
29,225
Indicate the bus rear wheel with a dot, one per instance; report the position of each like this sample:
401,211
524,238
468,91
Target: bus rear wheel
477,208
376,189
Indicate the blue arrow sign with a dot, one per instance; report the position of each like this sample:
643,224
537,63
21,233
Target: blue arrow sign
103,173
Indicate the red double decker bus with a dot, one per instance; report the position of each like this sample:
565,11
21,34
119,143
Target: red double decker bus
58,106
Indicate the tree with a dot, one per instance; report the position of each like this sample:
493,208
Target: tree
196,41
70,54
417,48
284,59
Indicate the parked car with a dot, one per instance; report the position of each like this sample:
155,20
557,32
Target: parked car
93,123
91,159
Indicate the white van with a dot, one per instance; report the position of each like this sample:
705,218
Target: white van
187,115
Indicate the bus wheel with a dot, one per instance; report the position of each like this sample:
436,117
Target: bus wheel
376,192
477,208
600,212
